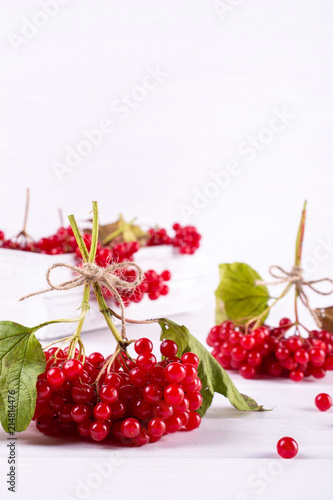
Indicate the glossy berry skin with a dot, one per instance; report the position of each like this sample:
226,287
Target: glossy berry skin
108,394
190,358
173,394
247,371
84,428
194,421
102,411
44,389
323,401
112,379
287,447
175,372
156,427
146,361
195,400
82,393
80,413
130,428
169,348
55,377
152,394
99,431
96,359
138,377
285,322
296,375
143,345
72,368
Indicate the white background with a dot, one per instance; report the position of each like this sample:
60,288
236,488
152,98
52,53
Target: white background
228,68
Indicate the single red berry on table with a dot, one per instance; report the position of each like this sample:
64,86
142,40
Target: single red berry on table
323,401
287,447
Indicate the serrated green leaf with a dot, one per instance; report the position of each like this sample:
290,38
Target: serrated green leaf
213,377
21,361
238,296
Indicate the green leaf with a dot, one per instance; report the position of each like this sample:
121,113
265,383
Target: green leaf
237,296
213,377
21,361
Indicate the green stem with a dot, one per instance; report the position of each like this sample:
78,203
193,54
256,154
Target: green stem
90,257
257,319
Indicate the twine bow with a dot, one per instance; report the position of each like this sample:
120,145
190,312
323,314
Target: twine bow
91,273
295,277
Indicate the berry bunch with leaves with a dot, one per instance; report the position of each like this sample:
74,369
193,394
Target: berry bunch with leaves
243,341
130,400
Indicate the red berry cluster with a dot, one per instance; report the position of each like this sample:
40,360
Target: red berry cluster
186,239
137,402
267,350
63,241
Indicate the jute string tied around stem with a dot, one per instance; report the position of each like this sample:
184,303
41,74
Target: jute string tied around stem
91,273
295,277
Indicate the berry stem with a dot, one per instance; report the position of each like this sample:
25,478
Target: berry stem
90,257
298,257
26,212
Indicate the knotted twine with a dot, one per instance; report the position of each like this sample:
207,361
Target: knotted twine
295,277
91,273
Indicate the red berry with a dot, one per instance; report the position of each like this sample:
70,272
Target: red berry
156,427
166,275
189,358
173,394
82,393
99,430
55,377
130,427
248,342
146,361
285,323
143,345
72,368
301,357
108,394
96,359
169,348
296,375
173,424
102,411
294,343
287,447
254,358
80,413
112,379
175,372
323,401
84,428
195,400
317,356
138,377
152,394
44,389
247,371
193,422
